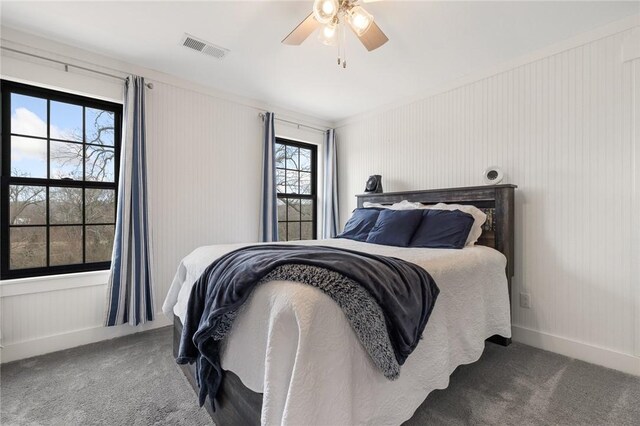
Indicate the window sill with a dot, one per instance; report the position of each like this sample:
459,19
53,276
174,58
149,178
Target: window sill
44,284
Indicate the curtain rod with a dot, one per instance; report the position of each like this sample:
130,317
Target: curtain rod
67,65
261,115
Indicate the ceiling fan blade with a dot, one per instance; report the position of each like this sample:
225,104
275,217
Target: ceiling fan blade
302,31
373,38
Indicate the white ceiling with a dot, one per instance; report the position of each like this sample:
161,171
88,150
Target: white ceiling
431,43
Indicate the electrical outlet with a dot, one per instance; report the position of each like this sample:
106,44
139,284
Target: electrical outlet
525,300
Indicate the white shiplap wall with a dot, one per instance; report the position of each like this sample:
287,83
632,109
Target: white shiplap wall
205,168
561,128
204,159
204,175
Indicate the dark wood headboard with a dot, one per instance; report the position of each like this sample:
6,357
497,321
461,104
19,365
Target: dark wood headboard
497,201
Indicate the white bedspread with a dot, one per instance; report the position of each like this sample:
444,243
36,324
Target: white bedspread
292,343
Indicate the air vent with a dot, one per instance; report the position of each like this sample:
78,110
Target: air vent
204,47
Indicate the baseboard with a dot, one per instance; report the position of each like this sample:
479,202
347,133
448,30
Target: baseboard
595,355
72,339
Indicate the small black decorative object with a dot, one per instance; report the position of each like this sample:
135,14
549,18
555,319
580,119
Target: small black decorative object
374,184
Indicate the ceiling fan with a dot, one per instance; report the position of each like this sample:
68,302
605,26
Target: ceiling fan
331,16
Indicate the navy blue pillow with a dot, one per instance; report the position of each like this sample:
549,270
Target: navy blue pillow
395,227
359,225
443,229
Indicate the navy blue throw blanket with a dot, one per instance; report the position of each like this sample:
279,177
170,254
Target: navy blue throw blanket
405,292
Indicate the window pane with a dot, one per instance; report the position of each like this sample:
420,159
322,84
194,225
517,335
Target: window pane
292,157
294,231
100,205
305,159
293,209
282,210
280,155
282,231
293,182
280,183
66,121
307,231
28,115
66,160
99,126
305,183
100,164
65,205
27,205
28,248
99,243
65,245
306,209
28,157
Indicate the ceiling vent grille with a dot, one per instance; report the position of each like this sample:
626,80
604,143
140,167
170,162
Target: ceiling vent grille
204,47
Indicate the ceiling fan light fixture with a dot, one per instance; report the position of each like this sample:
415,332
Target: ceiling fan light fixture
359,19
328,34
325,10
331,18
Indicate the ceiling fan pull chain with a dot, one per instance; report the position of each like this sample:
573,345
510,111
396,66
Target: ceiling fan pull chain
338,45
339,42
344,48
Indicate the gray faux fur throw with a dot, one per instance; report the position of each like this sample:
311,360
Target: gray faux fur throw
361,310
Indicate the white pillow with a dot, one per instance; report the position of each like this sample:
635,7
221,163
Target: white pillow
479,218
368,205
402,205
408,205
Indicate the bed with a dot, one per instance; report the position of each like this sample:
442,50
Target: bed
290,338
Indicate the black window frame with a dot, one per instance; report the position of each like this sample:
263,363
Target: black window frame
8,87
314,189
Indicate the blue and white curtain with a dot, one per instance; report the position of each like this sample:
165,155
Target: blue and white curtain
330,196
268,206
130,294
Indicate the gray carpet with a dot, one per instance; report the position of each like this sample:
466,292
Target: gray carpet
134,381
521,385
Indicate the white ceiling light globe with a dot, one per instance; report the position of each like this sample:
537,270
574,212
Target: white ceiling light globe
329,31
328,34
359,19
325,10
328,8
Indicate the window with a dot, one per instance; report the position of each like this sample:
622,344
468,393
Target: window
296,187
59,180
